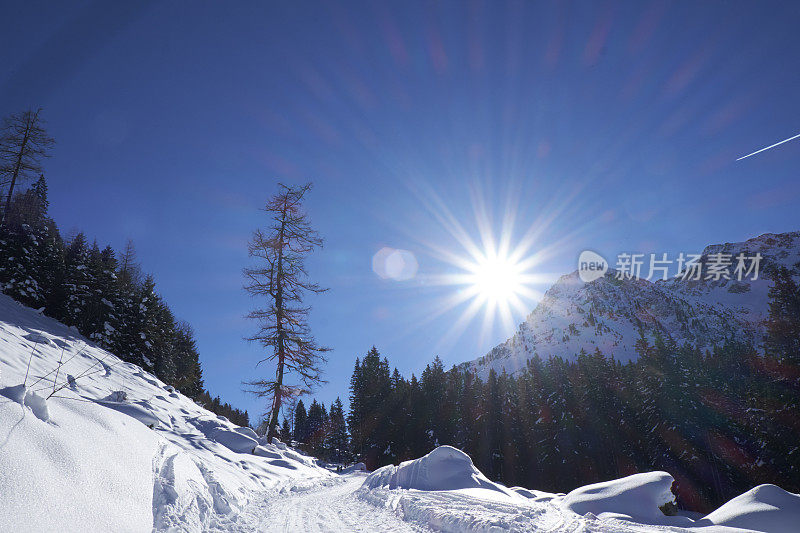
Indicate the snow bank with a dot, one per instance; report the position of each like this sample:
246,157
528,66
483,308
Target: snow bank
116,449
443,491
444,468
766,508
638,496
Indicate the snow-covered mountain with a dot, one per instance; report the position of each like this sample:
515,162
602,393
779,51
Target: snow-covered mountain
611,314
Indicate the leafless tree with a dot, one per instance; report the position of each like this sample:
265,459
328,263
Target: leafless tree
280,278
23,144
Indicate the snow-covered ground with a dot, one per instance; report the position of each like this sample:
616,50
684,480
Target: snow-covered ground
115,449
443,491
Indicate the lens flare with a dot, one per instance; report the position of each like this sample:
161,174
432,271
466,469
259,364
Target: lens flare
494,278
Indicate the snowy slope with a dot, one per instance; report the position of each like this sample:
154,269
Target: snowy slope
116,449
609,314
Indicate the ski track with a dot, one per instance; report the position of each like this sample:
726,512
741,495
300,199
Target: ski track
337,505
321,506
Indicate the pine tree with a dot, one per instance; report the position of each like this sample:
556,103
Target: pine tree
369,409
783,325
18,265
129,270
432,382
782,398
189,373
300,423
316,429
286,430
337,438
77,282
281,280
51,271
355,418
23,144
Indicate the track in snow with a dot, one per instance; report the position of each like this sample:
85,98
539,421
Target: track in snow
333,505
329,506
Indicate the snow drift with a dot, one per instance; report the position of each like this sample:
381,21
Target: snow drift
765,508
116,449
444,491
445,468
639,496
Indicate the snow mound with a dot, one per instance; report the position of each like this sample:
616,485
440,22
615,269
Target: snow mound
38,405
248,432
358,467
234,441
444,468
116,449
766,508
27,398
638,497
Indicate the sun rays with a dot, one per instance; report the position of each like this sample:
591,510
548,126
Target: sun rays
490,276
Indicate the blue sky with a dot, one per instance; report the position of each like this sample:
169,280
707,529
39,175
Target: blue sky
609,126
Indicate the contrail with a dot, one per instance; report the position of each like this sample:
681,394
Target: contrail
768,147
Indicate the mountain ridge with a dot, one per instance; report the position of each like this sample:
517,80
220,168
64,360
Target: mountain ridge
611,314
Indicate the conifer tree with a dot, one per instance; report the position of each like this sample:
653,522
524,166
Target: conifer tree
23,144
77,283
286,430
316,424
281,280
189,373
337,439
300,423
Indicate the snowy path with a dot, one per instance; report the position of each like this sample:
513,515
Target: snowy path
335,505
326,506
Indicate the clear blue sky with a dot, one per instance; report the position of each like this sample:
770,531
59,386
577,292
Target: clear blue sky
610,126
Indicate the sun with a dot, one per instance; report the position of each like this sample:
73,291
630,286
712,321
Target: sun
496,279
491,273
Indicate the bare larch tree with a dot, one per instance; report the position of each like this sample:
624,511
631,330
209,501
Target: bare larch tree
281,279
23,144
